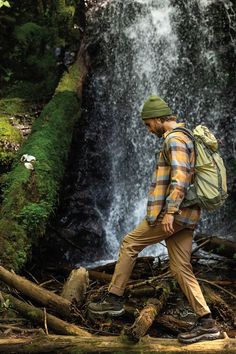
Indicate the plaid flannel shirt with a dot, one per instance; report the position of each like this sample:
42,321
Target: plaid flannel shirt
171,179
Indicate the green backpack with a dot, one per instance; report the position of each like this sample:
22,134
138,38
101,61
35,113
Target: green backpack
209,187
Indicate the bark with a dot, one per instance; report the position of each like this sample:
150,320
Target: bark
37,293
76,285
37,315
168,321
217,245
147,315
143,266
218,306
175,325
100,276
63,344
146,291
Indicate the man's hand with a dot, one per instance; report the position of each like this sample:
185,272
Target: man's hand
167,223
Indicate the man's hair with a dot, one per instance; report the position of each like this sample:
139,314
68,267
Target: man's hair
167,118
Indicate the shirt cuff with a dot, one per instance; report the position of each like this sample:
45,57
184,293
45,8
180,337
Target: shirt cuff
173,210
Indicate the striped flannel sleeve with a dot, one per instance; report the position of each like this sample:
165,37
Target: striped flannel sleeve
180,178
157,193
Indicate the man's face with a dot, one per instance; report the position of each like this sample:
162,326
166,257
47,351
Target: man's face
154,126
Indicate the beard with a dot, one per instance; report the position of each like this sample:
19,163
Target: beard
159,132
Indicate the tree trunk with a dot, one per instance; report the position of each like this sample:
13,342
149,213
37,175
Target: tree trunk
76,285
147,315
63,344
37,293
217,245
37,315
100,276
218,306
175,325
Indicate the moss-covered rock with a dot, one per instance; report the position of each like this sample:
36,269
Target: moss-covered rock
30,196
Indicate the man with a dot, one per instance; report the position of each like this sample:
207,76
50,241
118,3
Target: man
165,220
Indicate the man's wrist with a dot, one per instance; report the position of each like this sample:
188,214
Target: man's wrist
173,212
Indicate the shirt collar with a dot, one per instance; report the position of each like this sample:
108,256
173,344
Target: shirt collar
168,131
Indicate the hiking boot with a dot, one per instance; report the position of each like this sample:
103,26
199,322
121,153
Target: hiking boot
203,329
110,304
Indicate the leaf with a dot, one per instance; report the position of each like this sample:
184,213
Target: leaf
4,3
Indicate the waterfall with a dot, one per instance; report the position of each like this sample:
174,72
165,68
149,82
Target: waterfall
180,50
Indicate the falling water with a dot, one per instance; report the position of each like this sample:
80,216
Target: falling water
180,50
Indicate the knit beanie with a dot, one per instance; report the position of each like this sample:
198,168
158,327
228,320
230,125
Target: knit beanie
155,107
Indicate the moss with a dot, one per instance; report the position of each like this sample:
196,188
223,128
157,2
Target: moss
14,242
30,197
69,80
13,106
10,141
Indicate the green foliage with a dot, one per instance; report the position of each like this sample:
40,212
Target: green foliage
29,33
29,38
34,51
13,106
4,3
10,141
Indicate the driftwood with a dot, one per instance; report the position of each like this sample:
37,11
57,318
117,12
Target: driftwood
37,315
66,344
147,315
37,293
217,245
76,285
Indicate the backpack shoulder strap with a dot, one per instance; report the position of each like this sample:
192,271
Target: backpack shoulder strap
185,131
189,133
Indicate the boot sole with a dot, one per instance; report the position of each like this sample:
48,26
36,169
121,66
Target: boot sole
202,337
108,312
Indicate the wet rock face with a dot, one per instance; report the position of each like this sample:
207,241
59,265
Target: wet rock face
182,51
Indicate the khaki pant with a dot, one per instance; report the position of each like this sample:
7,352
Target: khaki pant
179,247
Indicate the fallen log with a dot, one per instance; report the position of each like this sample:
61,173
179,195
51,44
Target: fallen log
145,291
174,324
218,306
217,245
147,315
66,344
168,321
143,266
35,292
100,276
75,287
37,315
